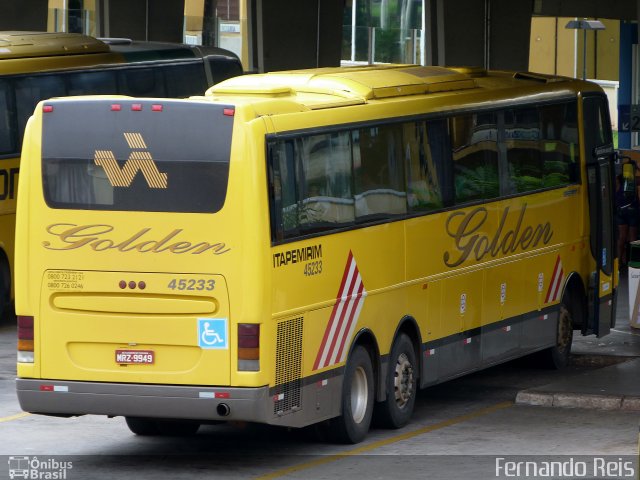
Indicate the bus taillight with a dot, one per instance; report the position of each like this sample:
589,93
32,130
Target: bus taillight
248,347
25,339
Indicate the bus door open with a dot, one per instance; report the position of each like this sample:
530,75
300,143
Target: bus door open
600,178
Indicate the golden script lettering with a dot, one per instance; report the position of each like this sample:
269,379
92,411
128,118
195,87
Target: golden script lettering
469,240
72,236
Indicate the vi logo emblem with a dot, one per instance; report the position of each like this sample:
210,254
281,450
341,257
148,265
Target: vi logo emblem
139,160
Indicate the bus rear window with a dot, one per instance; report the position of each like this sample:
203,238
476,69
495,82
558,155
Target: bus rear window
150,156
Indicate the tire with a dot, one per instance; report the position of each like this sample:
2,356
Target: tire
557,357
357,400
142,426
161,427
178,428
6,307
401,385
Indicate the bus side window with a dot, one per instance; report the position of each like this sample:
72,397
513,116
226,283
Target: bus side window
30,90
223,68
7,130
522,138
185,79
283,190
92,83
379,180
324,165
560,138
475,157
427,151
141,82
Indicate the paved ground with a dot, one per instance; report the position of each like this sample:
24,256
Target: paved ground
615,386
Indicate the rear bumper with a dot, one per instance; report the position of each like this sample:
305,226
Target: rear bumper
56,397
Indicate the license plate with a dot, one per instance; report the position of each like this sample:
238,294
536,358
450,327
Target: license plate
135,357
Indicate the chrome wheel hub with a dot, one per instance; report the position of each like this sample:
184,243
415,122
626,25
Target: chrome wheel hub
359,395
403,380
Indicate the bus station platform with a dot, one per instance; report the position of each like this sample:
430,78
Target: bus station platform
613,382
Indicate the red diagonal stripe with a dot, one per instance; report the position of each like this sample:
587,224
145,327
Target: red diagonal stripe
553,279
556,294
333,311
343,314
352,318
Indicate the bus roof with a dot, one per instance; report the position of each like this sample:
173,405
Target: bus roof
366,83
15,45
343,86
29,52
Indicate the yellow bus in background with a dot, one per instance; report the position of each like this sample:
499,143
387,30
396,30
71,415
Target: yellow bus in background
35,66
299,247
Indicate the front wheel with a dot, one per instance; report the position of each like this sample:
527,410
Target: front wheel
401,385
557,357
357,399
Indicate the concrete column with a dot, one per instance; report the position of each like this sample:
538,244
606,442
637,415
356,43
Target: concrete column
298,34
463,34
490,33
24,15
159,20
509,35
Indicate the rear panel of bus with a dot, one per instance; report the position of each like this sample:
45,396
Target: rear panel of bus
131,241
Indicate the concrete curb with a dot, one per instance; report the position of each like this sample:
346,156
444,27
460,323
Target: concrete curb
578,400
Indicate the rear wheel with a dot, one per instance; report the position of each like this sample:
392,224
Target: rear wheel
142,426
357,399
6,308
401,385
178,428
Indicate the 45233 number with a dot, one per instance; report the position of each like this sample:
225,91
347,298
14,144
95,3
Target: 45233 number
193,284
313,268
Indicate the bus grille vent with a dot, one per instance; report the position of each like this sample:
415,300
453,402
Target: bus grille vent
288,367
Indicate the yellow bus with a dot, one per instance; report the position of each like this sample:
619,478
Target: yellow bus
300,247
36,66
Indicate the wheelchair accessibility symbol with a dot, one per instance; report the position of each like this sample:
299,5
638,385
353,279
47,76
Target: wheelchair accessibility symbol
213,333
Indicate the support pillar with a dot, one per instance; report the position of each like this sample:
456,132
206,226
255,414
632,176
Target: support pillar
28,15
